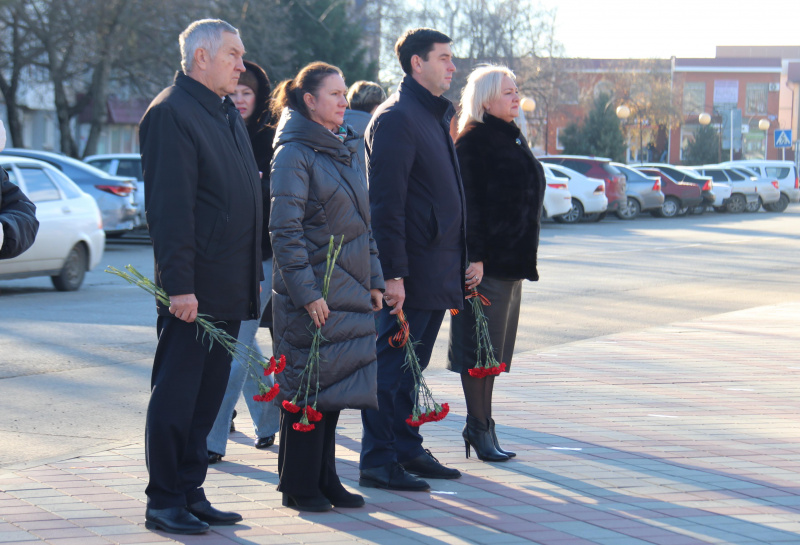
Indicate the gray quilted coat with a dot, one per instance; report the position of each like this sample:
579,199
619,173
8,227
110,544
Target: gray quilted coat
317,190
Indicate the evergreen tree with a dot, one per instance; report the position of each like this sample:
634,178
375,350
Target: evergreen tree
703,149
324,31
599,135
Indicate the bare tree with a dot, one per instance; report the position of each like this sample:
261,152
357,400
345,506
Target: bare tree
17,52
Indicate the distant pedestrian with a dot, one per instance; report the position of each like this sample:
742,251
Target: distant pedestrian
251,98
318,192
204,212
504,186
363,98
18,223
418,217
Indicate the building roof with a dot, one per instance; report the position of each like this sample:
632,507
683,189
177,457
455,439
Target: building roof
730,64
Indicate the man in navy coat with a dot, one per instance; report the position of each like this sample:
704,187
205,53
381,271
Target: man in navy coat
204,212
418,221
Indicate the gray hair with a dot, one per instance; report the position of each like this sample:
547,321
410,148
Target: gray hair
484,84
203,34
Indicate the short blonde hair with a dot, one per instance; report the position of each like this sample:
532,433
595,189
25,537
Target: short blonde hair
484,84
365,96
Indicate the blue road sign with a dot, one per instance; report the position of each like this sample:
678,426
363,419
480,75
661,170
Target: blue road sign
783,139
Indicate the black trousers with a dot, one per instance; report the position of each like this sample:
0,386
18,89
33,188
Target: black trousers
187,387
307,460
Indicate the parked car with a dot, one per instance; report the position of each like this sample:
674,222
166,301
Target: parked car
557,198
643,193
768,188
677,195
596,167
114,194
127,165
680,174
785,172
747,191
70,240
588,194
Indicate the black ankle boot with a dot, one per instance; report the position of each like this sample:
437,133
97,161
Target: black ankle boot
477,435
496,444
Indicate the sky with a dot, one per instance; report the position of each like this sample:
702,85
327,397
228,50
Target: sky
617,29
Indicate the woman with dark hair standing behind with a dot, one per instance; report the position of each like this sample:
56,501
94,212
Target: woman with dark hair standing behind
251,98
318,191
504,187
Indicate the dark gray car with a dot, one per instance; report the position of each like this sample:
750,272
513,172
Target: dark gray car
643,192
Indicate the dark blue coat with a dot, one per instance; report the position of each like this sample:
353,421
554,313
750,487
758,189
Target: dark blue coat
416,197
17,219
203,200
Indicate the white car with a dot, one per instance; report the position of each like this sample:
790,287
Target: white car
785,172
70,240
588,194
557,198
123,164
749,190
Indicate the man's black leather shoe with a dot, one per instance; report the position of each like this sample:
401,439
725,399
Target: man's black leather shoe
265,442
174,520
205,512
391,476
428,467
213,457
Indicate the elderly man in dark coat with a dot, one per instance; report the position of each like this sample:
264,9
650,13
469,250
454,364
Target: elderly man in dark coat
418,220
204,213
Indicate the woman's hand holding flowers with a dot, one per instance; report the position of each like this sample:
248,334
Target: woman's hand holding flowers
474,274
318,310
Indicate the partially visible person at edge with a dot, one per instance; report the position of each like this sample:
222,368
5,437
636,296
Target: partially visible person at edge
363,98
418,214
251,98
18,223
504,186
204,212
318,191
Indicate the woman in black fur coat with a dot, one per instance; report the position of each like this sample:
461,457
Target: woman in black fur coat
504,187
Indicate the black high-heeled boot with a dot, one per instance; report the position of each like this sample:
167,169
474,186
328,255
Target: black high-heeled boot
477,435
496,444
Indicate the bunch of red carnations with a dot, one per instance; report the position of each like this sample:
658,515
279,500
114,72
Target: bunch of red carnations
487,363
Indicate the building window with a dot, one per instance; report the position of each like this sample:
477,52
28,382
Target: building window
694,97
756,102
569,92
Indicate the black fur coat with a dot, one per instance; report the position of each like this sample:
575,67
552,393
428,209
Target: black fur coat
504,187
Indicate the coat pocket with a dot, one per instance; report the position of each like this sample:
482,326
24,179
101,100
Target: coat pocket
434,231
208,242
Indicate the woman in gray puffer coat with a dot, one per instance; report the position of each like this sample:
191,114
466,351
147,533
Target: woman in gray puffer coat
318,190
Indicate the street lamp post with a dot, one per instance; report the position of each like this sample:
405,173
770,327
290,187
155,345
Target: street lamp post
763,124
623,112
704,119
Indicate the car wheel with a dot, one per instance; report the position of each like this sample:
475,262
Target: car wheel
574,215
670,208
753,206
698,210
779,206
630,211
736,204
71,276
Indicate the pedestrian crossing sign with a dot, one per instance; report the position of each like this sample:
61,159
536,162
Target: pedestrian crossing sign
783,139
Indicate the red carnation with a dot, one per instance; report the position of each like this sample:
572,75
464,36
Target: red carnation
297,426
289,406
312,414
281,364
271,393
271,369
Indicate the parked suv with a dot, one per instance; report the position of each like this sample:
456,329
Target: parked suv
785,172
596,167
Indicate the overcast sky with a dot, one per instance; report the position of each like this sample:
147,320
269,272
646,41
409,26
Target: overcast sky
680,28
